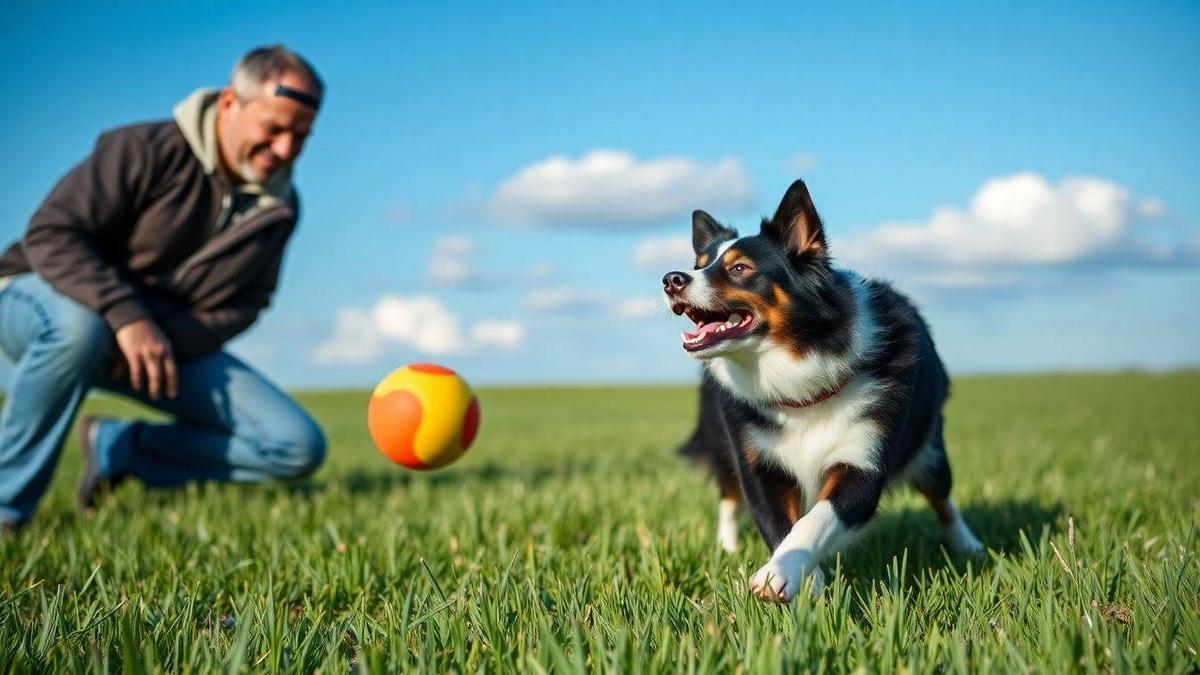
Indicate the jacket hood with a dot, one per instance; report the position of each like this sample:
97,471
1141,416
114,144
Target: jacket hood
196,117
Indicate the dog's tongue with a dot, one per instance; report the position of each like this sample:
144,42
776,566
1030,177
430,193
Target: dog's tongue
703,329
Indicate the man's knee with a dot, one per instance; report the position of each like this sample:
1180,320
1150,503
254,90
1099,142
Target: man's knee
304,447
79,338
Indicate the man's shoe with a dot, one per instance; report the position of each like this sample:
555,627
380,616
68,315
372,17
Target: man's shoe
92,485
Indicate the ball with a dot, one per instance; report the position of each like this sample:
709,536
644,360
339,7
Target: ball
423,416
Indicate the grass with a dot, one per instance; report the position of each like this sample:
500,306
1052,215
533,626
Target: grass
571,539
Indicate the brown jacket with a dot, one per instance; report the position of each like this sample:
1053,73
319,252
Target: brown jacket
148,226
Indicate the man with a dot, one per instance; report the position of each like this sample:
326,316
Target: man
142,262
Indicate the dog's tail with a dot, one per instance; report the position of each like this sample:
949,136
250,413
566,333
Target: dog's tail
710,446
694,447
709,438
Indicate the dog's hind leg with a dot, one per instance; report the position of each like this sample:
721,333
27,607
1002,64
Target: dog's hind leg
710,446
727,507
707,448
934,481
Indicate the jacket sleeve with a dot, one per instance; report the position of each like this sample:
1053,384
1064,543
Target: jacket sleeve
197,332
91,207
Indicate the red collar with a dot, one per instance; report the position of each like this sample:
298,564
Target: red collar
813,401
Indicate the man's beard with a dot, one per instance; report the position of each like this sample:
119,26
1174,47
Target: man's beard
251,173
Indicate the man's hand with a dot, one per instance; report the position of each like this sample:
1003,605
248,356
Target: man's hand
148,352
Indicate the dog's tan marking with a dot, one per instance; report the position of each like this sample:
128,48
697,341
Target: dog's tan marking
833,477
702,261
778,314
774,313
792,503
802,229
805,237
940,506
750,454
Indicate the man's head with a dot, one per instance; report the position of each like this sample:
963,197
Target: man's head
266,112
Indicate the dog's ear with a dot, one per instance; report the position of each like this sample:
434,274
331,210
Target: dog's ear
796,225
706,230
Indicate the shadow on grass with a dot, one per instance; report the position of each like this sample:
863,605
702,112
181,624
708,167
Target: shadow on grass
914,534
369,482
376,482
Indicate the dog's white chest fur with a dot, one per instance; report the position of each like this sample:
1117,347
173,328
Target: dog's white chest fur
813,439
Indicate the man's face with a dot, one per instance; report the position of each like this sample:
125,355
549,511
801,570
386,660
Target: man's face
263,134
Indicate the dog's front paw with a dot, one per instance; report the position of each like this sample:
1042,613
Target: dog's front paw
771,583
774,582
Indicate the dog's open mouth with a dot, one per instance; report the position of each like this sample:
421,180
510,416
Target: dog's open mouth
713,326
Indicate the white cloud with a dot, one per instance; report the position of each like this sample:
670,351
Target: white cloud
503,334
1017,221
666,254
611,188
421,322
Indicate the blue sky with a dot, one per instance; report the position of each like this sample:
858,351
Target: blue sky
500,188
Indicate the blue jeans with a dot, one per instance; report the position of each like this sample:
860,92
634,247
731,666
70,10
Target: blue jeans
230,423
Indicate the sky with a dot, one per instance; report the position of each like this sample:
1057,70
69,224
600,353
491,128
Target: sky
500,188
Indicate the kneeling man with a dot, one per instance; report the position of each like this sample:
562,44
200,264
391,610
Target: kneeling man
142,262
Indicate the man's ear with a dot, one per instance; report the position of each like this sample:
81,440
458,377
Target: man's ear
226,99
706,230
796,225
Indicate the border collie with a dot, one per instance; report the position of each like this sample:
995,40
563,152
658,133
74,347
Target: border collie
821,388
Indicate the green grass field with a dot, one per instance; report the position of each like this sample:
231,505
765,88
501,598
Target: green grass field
572,539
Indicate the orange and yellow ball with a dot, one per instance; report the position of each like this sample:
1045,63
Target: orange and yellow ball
423,416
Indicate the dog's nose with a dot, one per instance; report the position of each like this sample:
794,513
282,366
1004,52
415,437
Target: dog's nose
675,282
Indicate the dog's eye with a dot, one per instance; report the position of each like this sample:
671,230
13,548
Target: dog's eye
740,268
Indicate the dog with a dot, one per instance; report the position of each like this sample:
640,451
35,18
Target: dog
820,389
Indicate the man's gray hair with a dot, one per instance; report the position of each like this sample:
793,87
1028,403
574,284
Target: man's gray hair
262,64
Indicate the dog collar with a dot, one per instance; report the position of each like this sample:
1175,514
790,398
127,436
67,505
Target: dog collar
815,400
